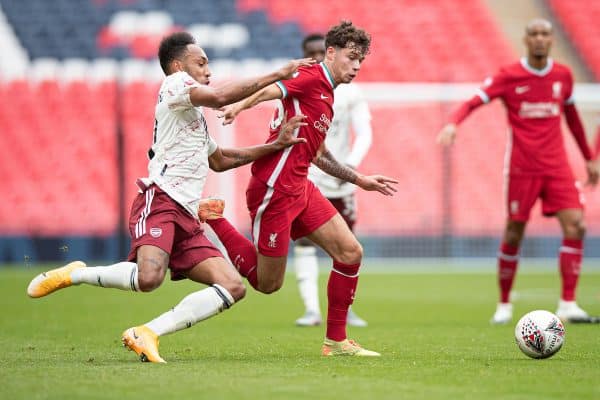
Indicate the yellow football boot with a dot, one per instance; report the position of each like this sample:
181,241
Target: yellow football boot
50,281
144,342
345,348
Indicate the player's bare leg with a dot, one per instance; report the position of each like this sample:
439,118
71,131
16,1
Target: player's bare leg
225,289
340,243
570,258
271,273
508,259
144,276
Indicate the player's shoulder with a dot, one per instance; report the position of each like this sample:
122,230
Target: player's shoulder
180,78
311,70
562,69
511,69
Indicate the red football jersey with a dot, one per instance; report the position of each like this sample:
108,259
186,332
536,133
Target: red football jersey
534,100
309,92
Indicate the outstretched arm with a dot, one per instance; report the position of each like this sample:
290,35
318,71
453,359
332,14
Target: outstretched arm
326,162
229,113
235,91
224,159
448,132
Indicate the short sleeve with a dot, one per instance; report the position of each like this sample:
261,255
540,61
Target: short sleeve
212,146
492,87
296,87
177,93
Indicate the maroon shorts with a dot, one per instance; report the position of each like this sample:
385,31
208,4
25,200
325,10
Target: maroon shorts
346,206
158,220
556,193
277,216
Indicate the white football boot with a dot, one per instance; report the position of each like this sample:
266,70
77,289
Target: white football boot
355,320
310,318
503,314
569,311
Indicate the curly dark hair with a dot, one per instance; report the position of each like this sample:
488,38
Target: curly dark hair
340,35
173,47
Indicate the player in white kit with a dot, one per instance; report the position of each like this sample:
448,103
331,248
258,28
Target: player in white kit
163,223
350,111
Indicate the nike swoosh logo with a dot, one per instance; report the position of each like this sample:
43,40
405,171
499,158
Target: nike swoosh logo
521,89
323,97
134,335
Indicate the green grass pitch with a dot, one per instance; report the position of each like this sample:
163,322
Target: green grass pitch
431,328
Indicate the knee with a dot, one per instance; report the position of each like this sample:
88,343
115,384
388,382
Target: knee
575,230
149,278
351,254
269,287
513,235
512,239
236,289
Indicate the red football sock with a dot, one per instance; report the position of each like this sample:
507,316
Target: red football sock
241,251
508,259
570,255
340,294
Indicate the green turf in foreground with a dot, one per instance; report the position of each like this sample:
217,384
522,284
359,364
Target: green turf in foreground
432,330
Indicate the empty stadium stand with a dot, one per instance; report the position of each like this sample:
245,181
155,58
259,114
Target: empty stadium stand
581,24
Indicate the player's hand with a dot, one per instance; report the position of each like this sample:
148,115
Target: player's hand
286,132
228,113
447,135
379,183
593,171
287,71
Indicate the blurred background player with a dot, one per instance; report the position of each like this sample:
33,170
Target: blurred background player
536,91
349,107
163,223
284,204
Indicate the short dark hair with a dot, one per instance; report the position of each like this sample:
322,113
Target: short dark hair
312,37
340,35
172,47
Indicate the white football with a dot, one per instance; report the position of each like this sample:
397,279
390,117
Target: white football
540,334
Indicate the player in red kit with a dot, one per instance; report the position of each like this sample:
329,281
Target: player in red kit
283,203
536,91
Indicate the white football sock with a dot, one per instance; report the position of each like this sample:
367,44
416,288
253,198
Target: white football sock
123,275
194,308
307,273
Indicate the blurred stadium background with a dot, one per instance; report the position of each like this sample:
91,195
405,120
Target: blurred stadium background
78,83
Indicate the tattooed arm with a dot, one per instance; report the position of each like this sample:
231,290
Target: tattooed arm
326,162
224,159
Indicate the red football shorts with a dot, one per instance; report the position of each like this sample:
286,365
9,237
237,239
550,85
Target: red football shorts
556,193
158,220
277,216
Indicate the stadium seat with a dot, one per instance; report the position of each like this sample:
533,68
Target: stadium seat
581,24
